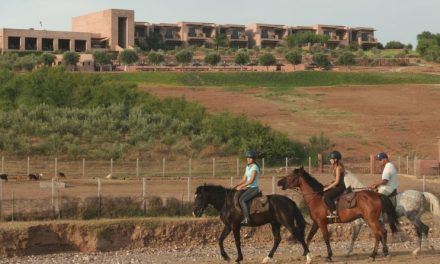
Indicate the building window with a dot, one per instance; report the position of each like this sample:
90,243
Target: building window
30,43
235,34
47,44
365,36
264,33
64,44
192,32
14,43
80,45
168,33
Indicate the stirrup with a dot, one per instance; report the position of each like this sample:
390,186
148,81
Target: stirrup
246,221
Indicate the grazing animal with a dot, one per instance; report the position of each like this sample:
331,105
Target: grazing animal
4,176
35,177
282,212
110,177
409,203
59,176
369,206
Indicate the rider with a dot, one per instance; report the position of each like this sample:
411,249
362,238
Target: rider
249,183
336,187
388,184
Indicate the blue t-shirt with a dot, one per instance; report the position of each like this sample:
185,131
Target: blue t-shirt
250,168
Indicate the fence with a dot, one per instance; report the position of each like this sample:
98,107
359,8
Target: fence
140,186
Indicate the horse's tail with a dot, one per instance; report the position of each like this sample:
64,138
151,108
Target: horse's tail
388,208
434,204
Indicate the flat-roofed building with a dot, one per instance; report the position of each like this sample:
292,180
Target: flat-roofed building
197,33
265,35
363,36
235,34
115,27
44,40
338,36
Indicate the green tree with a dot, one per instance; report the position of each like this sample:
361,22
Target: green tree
101,58
71,58
347,58
184,57
128,57
317,145
156,58
294,58
303,38
213,58
47,58
321,59
394,45
241,58
221,41
267,59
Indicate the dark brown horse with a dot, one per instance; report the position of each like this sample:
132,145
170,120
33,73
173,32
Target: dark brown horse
369,206
282,212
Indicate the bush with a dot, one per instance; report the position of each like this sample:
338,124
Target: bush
294,57
394,45
347,58
184,57
321,59
128,57
242,58
267,59
155,58
212,59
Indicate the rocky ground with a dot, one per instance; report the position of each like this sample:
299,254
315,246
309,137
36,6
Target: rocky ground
287,253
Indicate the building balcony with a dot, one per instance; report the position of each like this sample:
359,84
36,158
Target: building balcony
172,37
197,36
270,38
237,38
371,40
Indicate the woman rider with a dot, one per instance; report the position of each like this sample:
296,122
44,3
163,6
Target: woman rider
249,183
337,186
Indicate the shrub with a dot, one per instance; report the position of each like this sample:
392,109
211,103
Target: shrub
321,59
184,57
394,45
267,59
212,59
294,57
347,58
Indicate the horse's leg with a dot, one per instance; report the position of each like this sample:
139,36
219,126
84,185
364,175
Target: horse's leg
326,236
356,229
384,242
223,235
276,241
421,230
299,235
312,233
378,231
236,231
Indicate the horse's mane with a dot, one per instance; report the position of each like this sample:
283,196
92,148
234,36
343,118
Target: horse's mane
214,189
314,183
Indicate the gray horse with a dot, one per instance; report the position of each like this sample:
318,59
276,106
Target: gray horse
409,203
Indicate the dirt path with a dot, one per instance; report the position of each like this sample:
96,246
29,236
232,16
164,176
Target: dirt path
360,120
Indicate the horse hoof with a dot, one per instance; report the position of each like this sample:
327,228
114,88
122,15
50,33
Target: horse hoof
309,258
267,260
371,259
415,252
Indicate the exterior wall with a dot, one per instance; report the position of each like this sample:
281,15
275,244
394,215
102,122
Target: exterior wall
200,37
254,32
242,38
40,34
105,23
334,38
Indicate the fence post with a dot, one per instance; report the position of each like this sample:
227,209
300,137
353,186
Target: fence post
407,165
58,204
372,164
415,166
99,196
310,164
144,195
3,164
320,163
263,165
232,181
111,166
423,183
189,167
13,205
189,189
398,169
27,167
53,196
137,168
1,200
213,167
238,168
287,161
84,168
56,167
273,184
163,167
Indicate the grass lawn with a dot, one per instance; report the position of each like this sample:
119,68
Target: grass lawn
271,79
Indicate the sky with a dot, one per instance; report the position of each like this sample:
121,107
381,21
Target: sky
399,20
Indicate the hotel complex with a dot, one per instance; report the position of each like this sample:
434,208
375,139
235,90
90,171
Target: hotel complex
116,29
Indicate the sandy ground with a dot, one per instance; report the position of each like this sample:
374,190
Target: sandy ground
359,120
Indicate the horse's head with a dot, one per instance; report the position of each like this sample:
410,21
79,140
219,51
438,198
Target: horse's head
291,180
200,201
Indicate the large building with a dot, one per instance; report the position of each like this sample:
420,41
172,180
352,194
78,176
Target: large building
116,29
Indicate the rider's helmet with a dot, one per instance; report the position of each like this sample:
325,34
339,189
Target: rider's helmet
335,155
381,156
251,154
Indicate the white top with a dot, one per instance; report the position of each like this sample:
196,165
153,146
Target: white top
389,173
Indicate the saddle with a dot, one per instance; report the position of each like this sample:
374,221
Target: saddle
258,204
346,200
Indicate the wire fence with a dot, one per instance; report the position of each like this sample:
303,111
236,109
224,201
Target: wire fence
141,187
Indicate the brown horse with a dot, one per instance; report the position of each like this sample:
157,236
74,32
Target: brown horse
369,206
